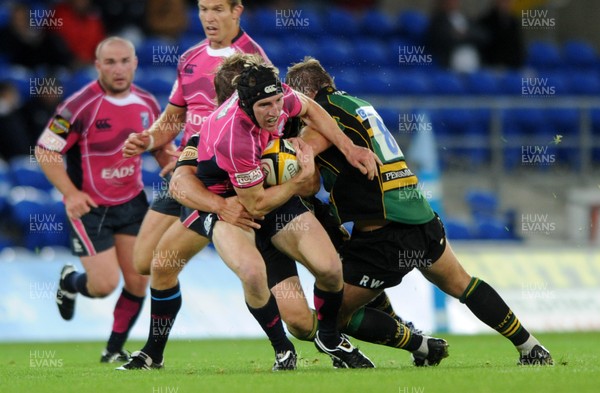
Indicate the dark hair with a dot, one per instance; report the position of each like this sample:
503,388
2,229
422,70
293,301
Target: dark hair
308,76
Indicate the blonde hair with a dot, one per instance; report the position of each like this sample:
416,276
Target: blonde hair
229,69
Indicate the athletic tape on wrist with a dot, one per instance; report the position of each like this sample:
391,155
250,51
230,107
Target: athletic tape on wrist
151,144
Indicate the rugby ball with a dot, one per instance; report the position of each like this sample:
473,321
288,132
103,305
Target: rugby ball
279,163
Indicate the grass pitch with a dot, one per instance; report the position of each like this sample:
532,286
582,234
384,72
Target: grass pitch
485,363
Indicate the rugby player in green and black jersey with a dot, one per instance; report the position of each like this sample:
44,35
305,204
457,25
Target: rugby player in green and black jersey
395,229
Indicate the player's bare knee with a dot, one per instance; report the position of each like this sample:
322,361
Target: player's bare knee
102,289
301,331
252,275
166,266
330,277
299,322
136,283
163,279
142,266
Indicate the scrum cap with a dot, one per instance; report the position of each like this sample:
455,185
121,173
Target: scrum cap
256,83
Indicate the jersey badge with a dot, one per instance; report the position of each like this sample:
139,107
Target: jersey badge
145,119
59,125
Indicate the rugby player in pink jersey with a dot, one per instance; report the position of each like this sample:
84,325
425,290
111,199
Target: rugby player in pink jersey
192,99
229,151
103,192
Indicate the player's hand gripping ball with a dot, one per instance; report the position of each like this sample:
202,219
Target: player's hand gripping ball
279,163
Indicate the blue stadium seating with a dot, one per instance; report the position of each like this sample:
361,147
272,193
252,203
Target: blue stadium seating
584,83
447,83
412,54
522,122
4,16
579,54
194,25
335,51
565,121
78,80
159,52
25,171
377,23
412,83
481,118
482,203
247,22
265,23
158,80
383,82
493,229
340,22
5,242
450,123
5,186
390,117
346,79
274,48
20,77
26,202
557,80
482,82
362,53
372,52
478,134
295,48
511,83
150,171
5,65
457,229
186,41
595,118
4,169
314,21
413,24
543,55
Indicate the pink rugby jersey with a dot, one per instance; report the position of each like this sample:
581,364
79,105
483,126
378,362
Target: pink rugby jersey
231,146
90,129
194,88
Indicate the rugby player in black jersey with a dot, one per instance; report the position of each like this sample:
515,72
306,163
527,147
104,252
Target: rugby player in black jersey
395,229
